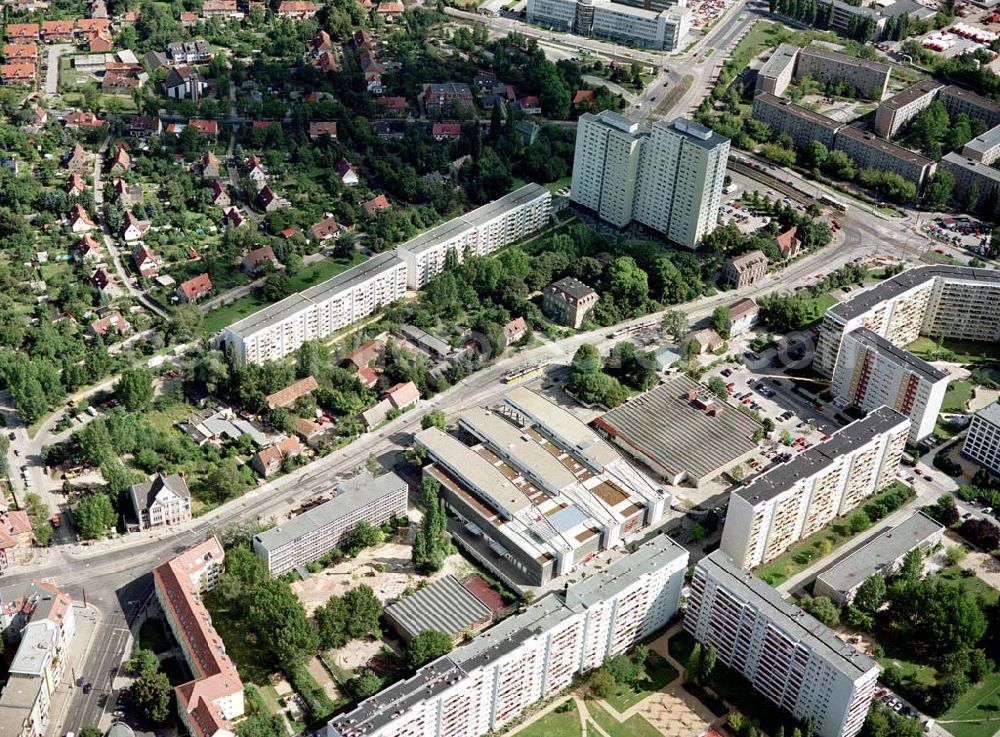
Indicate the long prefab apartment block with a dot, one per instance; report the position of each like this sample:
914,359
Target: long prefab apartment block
483,685
312,534
793,500
789,657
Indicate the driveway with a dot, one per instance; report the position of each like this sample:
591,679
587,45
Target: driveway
52,70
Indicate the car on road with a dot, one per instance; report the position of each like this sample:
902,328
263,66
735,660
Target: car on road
87,687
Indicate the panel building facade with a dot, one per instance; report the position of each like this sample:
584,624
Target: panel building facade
315,533
793,500
656,27
789,657
982,441
669,179
483,685
938,301
872,372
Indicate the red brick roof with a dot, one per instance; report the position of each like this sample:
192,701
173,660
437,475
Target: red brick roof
207,127
290,393
196,287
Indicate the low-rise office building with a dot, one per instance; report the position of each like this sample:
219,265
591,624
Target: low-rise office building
315,533
778,71
789,657
801,124
982,441
318,312
208,704
483,685
955,302
895,112
663,28
870,78
792,500
681,431
478,233
881,555
872,372
871,152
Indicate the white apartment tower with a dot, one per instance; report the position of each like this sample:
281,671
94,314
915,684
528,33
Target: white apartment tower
982,441
789,657
872,372
793,500
669,179
606,166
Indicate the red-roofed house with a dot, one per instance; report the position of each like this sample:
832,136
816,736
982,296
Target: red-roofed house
364,354
220,197
376,205
22,32
87,250
324,230
403,395
17,74
326,62
269,460
113,323
234,218
120,161
389,10
346,172
76,158
78,119
79,220
101,278
99,42
268,200
583,97
394,105
297,9
15,538
146,262
57,30
194,289
319,128
441,131
75,185
321,42
530,105
208,704
788,243
133,228
20,52
515,330
286,397
367,376
92,25
205,127
188,18
209,164
257,259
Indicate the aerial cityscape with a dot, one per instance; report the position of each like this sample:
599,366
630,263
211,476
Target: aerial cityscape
522,368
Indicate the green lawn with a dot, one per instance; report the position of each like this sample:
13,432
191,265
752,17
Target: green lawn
977,711
971,584
309,276
559,184
153,636
636,726
164,418
556,723
958,351
658,674
806,552
250,661
956,398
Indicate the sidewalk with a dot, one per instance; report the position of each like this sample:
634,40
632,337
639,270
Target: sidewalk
87,619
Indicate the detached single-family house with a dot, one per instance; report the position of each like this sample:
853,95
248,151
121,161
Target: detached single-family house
146,262
788,243
258,259
184,83
403,395
75,185
268,461
515,330
209,165
76,158
346,172
133,228
79,220
87,250
220,197
324,230
320,128
121,162
113,323
194,289
376,205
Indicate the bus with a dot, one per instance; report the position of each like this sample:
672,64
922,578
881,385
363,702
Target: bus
835,204
525,371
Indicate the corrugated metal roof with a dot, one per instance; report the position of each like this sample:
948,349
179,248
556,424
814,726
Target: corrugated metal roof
446,606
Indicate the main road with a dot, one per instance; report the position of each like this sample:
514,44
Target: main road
113,575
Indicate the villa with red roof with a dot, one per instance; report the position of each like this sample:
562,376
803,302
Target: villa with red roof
208,704
194,289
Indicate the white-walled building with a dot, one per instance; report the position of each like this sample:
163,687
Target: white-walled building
789,657
956,302
872,372
982,441
663,28
478,233
483,685
315,533
669,179
792,500
316,313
